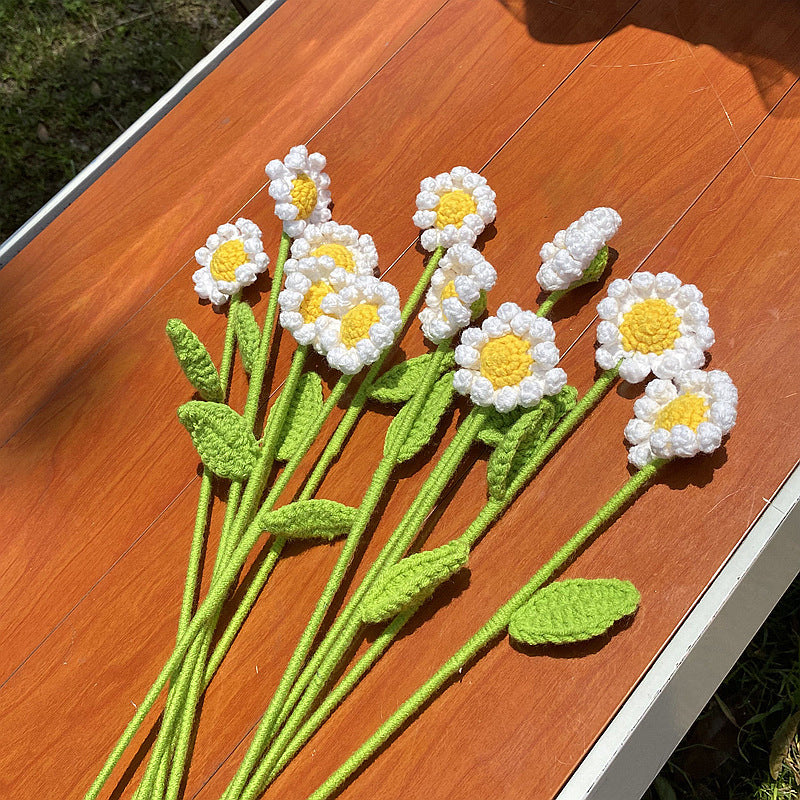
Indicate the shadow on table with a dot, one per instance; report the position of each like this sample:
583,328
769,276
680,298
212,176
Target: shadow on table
762,37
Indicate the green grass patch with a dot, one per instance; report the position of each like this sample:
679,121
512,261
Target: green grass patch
75,74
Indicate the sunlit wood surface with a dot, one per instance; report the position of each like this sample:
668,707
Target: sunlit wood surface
681,115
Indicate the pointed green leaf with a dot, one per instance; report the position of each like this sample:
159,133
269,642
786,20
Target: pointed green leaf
398,384
248,335
573,610
434,407
413,580
195,361
224,441
519,442
496,425
303,412
308,519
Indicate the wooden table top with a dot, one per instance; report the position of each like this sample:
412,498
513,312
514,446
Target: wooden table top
682,115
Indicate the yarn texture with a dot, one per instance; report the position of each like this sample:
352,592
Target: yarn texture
522,439
399,383
301,416
223,439
248,334
307,519
424,426
195,361
573,610
412,580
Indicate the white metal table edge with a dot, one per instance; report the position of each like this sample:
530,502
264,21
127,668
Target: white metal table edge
648,726
89,174
653,719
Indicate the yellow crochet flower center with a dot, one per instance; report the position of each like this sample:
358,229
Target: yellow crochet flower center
686,409
227,257
339,253
304,195
453,207
650,327
357,322
449,291
505,361
311,308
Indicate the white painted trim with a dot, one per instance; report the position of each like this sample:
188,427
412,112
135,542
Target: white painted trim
48,212
652,721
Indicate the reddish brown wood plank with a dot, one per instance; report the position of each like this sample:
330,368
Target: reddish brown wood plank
499,726
43,454
106,255
503,724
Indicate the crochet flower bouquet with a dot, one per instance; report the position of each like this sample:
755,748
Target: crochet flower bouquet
325,292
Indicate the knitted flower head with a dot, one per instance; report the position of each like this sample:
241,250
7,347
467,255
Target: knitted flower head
453,207
353,253
566,259
358,323
457,292
231,259
652,323
300,189
509,361
682,417
308,281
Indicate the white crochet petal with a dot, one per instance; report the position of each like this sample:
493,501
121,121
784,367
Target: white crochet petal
640,455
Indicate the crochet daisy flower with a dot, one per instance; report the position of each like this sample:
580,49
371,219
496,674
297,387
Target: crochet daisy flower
457,292
509,361
231,259
351,252
453,207
308,281
566,259
682,417
358,323
300,189
652,323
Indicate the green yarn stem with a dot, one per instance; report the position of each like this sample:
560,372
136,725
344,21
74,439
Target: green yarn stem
343,633
341,638
331,451
204,501
198,535
495,507
253,398
182,704
366,509
287,745
547,306
190,687
494,628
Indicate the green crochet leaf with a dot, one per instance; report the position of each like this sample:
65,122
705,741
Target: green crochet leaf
412,581
434,407
564,401
304,411
399,383
518,443
573,610
308,519
595,269
223,439
195,361
497,425
248,335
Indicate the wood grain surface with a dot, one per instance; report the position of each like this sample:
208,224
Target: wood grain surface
681,115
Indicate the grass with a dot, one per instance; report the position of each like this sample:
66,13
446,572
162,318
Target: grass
74,74
726,754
